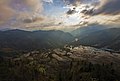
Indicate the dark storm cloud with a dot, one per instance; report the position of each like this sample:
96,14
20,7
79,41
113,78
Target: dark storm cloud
27,20
86,9
111,7
88,12
70,11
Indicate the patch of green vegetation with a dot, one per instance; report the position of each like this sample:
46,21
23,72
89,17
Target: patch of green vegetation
34,70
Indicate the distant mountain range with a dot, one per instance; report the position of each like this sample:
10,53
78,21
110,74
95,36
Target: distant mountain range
88,29
105,39
27,40
95,35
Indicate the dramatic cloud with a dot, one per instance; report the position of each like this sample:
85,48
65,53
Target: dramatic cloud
71,11
12,8
54,14
5,11
26,5
109,7
92,11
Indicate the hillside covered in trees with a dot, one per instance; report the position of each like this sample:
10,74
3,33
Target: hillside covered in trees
66,64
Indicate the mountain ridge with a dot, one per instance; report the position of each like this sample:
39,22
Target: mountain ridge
108,38
34,39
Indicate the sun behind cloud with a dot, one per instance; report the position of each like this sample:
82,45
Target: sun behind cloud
57,14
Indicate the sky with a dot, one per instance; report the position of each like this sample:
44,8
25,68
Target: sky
66,15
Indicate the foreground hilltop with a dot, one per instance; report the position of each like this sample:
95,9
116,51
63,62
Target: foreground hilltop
66,64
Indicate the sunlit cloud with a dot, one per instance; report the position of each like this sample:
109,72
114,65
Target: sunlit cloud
60,14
